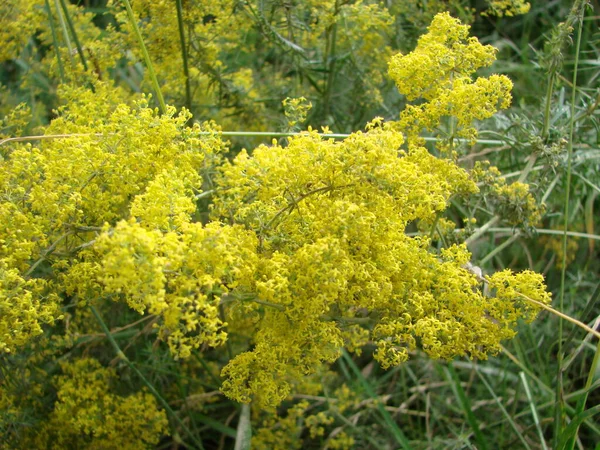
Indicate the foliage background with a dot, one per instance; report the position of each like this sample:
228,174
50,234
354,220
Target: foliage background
243,60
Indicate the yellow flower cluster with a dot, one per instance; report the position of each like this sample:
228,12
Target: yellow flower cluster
439,71
14,121
220,38
18,21
330,218
180,276
25,305
507,8
282,428
514,203
305,249
512,294
296,110
517,206
119,162
87,414
280,433
555,245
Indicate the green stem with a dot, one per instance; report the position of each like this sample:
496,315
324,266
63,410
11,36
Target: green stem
65,32
149,385
186,71
146,56
552,232
74,34
330,60
290,207
61,69
547,109
283,308
434,226
559,409
482,230
47,252
545,128
501,247
234,134
546,125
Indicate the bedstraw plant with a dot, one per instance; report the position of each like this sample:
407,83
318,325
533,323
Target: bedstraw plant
160,284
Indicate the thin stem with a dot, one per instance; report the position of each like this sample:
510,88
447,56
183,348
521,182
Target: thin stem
330,60
84,228
46,252
205,194
566,317
501,247
186,71
559,408
74,34
528,168
589,110
282,308
63,27
545,231
46,136
61,69
225,133
346,320
434,226
149,385
550,189
119,329
482,230
548,105
546,126
146,56
291,206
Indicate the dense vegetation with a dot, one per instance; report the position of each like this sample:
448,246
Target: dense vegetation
299,224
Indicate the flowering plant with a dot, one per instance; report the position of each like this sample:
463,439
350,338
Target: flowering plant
280,257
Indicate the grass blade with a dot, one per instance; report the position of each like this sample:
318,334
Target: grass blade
570,433
466,406
503,409
536,418
243,435
392,425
